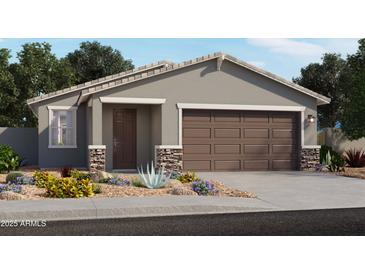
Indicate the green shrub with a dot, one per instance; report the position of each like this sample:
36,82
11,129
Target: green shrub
334,161
69,188
96,188
188,177
41,178
9,159
323,153
136,182
78,175
11,177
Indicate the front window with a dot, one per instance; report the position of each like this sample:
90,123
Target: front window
62,128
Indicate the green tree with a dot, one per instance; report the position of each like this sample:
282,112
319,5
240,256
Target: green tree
93,61
38,72
8,92
329,79
353,121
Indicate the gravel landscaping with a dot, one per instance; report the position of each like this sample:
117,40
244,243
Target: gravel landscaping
173,187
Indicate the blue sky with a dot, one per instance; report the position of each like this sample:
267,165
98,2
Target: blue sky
283,57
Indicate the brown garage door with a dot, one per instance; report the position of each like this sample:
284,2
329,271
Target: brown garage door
240,140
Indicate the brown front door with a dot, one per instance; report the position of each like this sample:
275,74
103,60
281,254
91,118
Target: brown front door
215,140
124,139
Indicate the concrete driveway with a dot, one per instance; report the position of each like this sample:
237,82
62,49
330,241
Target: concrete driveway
297,190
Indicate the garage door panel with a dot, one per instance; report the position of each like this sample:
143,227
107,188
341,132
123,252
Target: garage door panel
256,149
196,132
227,165
282,148
227,133
256,117
227,117
196,116
227,149
282,164
256,133
283,133
256,164
197,149
196,165
240,140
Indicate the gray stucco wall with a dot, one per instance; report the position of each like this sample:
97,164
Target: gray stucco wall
202,83
23,140
143,132
61,157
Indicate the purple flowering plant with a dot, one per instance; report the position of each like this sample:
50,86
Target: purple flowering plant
119,181
203,188
11,187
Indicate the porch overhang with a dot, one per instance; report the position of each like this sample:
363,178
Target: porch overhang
130,100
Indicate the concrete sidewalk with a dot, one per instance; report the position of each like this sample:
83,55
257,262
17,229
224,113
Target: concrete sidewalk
101,208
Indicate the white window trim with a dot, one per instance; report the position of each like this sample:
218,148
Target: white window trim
74,117
300,109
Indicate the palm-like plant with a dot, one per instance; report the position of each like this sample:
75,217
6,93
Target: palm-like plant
355,158
153,179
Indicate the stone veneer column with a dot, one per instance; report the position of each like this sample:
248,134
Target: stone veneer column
96,157
309,158
169,158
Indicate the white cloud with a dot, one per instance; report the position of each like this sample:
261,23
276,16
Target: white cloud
259,64
289,47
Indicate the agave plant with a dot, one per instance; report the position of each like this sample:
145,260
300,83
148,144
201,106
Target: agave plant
153,179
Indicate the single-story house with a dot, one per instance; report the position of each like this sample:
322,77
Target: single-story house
212,113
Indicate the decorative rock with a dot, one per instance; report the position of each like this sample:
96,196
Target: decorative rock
174,183
182,191
97,159
309,159
170,159
9,195
97,175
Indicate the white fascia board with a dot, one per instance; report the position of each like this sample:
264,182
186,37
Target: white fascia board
168,146
130,100
61,107
96,146
239,107
311,146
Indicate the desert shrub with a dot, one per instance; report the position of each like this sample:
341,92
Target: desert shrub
96,188
136,182
203,188
65,172
119,181
12,176
323,153
9,159
355,158
78,175
188,177
41,178
334,161
11,187
69,188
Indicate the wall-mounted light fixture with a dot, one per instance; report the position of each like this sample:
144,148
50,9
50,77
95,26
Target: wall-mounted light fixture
311,118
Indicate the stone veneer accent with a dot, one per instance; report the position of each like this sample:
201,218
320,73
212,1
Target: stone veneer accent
170,159
97,158
309,158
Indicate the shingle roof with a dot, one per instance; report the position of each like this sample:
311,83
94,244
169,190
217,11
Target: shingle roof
162,67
